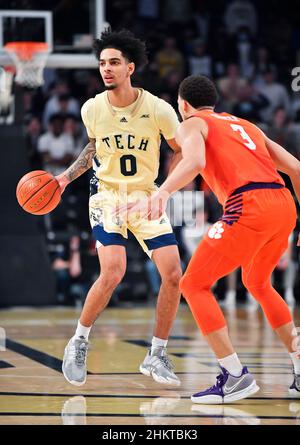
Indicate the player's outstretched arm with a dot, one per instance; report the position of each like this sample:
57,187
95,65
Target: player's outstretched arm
286,163
81,165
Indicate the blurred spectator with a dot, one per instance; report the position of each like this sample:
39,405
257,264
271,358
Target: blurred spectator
297,131
187,41
177,12
250,102
238,14
244,52
28,102
169,58
277,95
121,13
282,131
262,62
296,102
219,50
202,20
27,98
33,132
230,86
64,101
93,85
60,102
73,127
151,80
66,263
170,86
56,146
148,11
281,42
200,62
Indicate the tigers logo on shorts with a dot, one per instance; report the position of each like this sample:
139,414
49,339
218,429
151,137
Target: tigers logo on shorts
215,232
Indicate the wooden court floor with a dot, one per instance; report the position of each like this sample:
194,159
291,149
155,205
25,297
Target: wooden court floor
33,390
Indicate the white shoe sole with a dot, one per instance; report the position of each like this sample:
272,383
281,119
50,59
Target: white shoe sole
73,382
158,379
144,371
217,400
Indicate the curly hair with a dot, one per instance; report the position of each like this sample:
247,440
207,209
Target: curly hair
133,49
198,91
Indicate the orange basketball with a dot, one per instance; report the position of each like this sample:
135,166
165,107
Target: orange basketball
38,192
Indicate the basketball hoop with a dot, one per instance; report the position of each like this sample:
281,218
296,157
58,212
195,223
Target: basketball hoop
30,59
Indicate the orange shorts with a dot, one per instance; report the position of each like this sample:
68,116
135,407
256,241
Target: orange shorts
251,220
252,234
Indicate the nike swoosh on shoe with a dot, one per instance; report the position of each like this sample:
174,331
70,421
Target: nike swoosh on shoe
227,389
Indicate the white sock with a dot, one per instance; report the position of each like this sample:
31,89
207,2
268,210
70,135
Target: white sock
232,364
82,331
295,356
158,343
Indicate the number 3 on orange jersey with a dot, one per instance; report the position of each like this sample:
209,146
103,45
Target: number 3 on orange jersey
249,144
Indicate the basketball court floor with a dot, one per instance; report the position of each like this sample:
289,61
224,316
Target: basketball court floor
33,390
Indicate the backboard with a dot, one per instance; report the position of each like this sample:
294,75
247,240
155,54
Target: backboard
67,27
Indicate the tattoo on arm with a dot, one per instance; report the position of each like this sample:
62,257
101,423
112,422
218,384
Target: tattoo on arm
83,162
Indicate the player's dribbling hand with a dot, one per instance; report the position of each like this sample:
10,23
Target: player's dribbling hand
63,181
298,242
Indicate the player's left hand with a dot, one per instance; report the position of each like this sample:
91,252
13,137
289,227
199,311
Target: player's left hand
63,181
298,243
150,208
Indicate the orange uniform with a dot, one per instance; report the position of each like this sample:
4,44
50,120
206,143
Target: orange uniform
235,154
259,215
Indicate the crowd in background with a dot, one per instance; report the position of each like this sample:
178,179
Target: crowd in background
235,43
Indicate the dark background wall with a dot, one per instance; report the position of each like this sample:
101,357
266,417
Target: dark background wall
25,269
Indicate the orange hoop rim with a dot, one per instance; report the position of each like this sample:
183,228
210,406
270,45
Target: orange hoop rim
25,50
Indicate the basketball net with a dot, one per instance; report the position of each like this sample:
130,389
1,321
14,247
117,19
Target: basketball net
30,59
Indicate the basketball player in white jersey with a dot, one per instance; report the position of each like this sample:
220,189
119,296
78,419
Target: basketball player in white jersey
124,125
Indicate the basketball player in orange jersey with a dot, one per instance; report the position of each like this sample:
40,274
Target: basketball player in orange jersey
125,125
239,164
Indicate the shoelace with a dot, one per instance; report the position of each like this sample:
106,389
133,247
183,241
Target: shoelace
163,357
220,382
80,354
167,362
